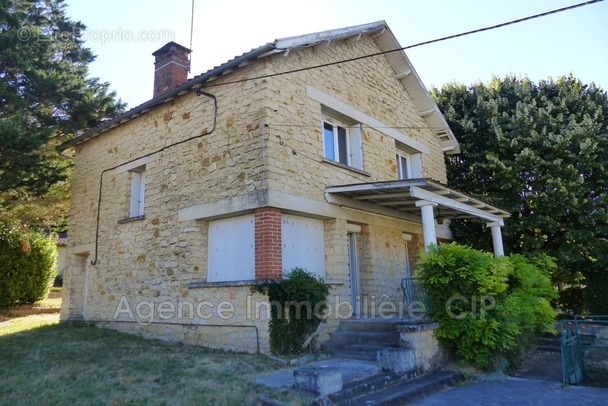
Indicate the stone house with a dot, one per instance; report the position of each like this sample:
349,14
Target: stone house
322,151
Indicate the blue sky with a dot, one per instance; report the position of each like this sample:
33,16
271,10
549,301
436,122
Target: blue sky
124,33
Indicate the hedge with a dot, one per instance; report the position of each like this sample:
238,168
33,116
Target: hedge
27,266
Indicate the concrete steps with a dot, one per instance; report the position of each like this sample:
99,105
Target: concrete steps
549,343
393,389
370,324
363,338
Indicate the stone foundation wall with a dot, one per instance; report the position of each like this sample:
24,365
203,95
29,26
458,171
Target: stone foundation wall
420,337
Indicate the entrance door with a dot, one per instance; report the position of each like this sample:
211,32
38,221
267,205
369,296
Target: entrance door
353,270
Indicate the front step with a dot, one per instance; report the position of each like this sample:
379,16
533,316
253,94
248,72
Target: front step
549,344
342,337
362,338
395,390
369,324
356,355
365,352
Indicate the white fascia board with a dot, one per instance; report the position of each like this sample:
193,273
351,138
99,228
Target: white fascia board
363,118
453,204
405,183
329,35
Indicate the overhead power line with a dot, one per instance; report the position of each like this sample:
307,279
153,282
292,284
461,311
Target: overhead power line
419,44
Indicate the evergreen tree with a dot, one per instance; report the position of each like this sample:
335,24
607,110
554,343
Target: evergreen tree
539,151
46,97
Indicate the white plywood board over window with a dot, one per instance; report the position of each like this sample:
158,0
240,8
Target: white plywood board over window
303,244
231,249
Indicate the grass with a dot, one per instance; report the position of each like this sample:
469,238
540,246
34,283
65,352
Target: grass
44,362
69,364
52,304
18,324
53,300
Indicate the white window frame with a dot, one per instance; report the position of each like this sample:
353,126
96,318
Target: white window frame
336,127
354,149
138,192
404,166
413,164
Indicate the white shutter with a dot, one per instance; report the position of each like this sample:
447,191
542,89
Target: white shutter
231,249
142,193
416,163
356,146
303,244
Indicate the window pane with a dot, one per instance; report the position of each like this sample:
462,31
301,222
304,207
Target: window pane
328,141
402,171
342,147
404,165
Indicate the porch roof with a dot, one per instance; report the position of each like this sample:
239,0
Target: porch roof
402,195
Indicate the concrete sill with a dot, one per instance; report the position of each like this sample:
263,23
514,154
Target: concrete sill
131,219
226,284
350,168
197,285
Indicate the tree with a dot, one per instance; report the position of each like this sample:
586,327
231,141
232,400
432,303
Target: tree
539,151
46,97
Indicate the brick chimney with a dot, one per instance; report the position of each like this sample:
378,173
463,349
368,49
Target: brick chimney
171,66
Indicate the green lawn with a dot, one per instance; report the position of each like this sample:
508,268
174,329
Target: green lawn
59,364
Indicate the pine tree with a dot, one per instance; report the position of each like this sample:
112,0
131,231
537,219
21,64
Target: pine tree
46,97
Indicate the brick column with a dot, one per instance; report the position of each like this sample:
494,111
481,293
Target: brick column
268,244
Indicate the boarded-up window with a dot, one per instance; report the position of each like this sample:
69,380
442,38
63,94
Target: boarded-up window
231,249
303,244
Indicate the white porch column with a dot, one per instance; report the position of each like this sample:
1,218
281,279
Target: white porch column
497,238
428,223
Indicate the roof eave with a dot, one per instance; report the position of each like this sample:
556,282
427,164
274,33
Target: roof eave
193,83
427,108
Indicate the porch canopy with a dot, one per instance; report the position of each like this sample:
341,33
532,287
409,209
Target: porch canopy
413,196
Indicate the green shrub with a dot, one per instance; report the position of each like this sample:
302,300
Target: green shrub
27,266
297,306
488,308
529,299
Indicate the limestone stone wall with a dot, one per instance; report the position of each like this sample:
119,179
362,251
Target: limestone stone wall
191,154
264,137
367,85
231,318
